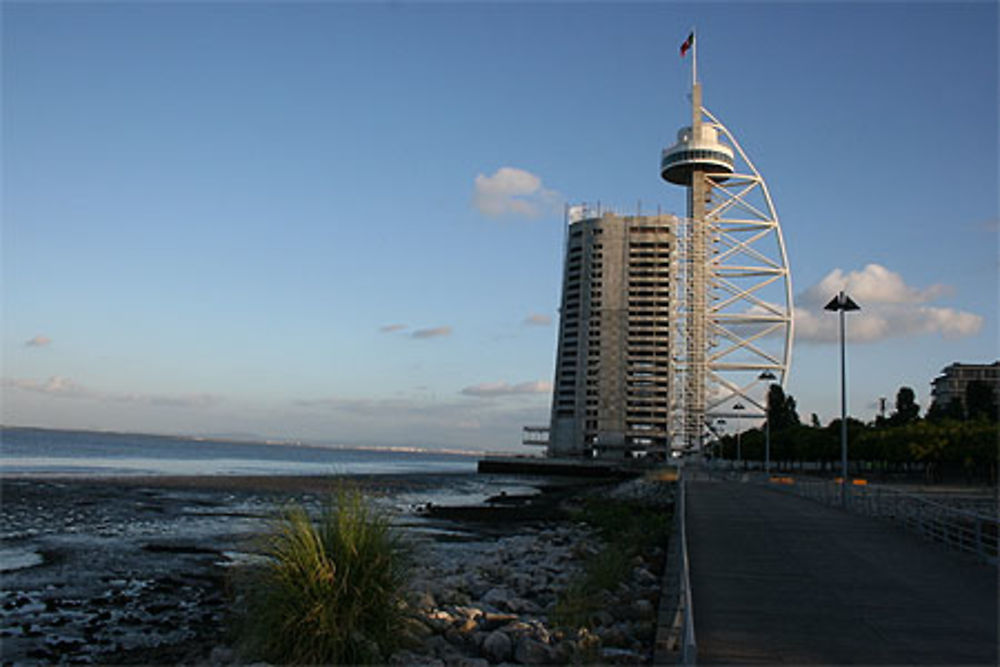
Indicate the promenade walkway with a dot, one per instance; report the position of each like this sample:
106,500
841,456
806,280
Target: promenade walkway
782,579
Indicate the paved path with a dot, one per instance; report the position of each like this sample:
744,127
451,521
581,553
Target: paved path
782,579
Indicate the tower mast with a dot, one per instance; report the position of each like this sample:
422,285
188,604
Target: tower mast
733,296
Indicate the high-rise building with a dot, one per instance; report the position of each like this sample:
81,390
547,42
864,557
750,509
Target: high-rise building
953,383
612,382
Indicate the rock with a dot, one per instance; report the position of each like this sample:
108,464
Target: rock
468,626
645,632
522,606
456,638
644,576
518,628
532,652
586,639
498,597
493,620
438,621
613,636
469,612
453,596
497,646
465,661
563,652
643,608
221,655
602,617
416,628
522,583
421,599
441,647
411,658
620,656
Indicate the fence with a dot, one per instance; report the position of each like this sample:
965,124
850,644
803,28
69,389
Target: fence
962,527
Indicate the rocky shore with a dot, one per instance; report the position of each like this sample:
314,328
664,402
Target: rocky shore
498,603
142,573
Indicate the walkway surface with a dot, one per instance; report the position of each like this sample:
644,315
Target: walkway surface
782,579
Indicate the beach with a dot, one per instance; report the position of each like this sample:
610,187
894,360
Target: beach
141,569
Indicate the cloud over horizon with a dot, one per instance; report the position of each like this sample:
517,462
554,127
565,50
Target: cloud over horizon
514,192
495,389
434,332
889,309
38,341
537,320
63,387
389,328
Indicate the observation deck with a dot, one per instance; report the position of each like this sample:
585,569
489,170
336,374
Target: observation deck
703,153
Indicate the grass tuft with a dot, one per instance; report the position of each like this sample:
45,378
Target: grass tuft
628,528
332,592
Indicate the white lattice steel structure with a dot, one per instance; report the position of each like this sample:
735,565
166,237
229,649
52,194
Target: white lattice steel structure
734,292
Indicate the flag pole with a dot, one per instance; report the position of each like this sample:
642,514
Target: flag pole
694,59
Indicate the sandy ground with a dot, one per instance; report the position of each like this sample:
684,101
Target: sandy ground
137,570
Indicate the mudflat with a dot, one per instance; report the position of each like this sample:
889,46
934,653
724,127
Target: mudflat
137,569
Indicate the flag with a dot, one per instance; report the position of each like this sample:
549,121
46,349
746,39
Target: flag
686,46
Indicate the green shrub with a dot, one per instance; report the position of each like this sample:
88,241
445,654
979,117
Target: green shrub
331,593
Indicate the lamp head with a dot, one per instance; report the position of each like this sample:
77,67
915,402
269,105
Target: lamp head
842,302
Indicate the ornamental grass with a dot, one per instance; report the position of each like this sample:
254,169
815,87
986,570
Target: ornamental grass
331,592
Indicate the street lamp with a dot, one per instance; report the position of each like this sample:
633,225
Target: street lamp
739,454
721,423
770,378
842,303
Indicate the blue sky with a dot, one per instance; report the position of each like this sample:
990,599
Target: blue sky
342,222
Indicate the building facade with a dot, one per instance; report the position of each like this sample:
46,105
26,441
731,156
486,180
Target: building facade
954,380
612,388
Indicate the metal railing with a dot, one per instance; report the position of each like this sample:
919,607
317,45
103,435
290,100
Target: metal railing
675,641
958,528
689,647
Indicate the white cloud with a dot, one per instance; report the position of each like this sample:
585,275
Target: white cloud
514,192
38,341
494,389
873,284
889,309
432,333
389,328
63,387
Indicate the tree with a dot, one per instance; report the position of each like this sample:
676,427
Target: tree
907,410
814,420
980,402
940,411
781,410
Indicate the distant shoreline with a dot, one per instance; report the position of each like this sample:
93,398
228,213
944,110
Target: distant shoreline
319,483
252,440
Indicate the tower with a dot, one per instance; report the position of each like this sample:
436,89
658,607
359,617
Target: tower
611,393
733,315
669,325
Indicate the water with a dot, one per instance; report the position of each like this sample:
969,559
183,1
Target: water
26,452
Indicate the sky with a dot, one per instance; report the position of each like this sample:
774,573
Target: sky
343,222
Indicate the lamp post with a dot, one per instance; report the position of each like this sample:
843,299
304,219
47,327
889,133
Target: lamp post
842,303
739,432
721,423
770,378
